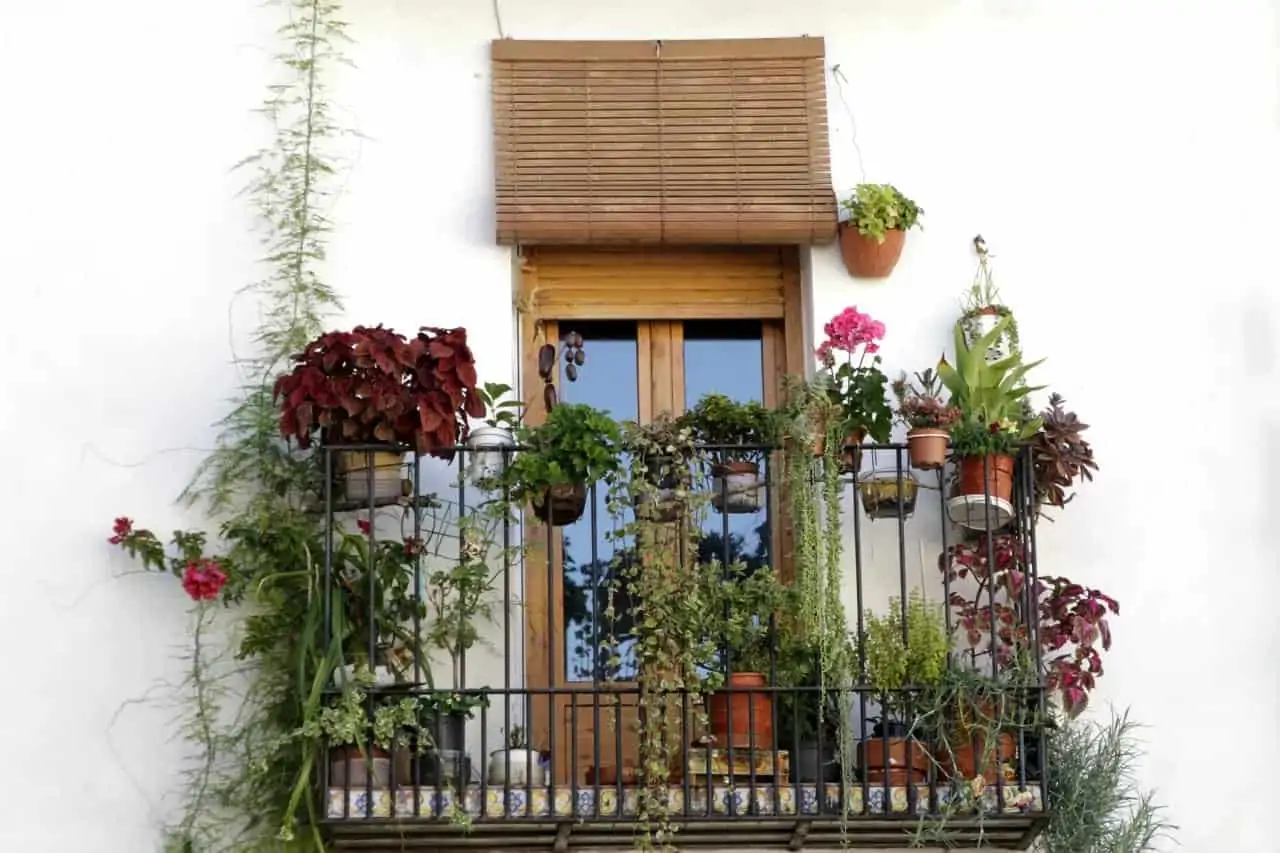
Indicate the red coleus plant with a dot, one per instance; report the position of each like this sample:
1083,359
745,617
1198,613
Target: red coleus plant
1071,619
374,385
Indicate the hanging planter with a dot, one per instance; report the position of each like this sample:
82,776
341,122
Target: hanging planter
736,487
489,447
983,311
661,502
561,505
866,257
883,496
871,240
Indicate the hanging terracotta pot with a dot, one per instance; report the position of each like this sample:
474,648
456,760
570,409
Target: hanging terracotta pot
864,257
752,723
563,504
851,454
736,487
998,482
928,448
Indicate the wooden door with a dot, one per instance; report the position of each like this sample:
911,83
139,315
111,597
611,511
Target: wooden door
638,368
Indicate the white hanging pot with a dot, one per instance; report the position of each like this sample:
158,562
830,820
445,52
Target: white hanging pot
977,325
344,675
486,458
735,487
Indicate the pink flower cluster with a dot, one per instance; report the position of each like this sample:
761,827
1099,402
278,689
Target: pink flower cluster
849,330
121,530
203,579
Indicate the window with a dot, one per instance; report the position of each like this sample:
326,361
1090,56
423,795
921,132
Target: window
663,328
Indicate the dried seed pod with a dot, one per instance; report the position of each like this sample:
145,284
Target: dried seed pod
571,372
576,338
546,360
579,358
568,355
549,397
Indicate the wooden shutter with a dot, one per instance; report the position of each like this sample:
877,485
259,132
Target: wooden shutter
682,283
677,142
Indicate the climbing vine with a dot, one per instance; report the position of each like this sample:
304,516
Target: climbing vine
254,725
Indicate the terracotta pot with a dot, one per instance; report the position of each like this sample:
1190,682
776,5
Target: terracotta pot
851,457
998,482
755,708
964,763
905,761
565,505
866,258
375,763
608,775
928,448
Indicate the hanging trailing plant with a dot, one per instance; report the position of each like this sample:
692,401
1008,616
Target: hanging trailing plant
657,571
811,418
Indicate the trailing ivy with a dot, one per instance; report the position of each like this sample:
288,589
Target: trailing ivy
252,791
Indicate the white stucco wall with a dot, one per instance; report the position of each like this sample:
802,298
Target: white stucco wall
1120,158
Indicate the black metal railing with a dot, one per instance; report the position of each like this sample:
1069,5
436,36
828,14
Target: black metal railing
454,616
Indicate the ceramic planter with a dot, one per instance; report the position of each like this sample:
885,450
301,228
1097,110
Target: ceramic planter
751,726
736,487
516,767
928,448
352,770
561,505
982,323
865,257
353,468
487,459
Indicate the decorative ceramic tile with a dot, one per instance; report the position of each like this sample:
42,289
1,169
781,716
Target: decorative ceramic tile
586,803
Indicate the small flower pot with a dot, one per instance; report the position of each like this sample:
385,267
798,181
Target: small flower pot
489,448
352,770
928,448
883,497
752,723
388,470
736,487
851,453
561,505
516,768
865,257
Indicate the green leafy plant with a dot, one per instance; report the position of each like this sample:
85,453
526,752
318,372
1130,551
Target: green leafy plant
719,421
576,444
501,410
741,610
876,208
905,648
989,395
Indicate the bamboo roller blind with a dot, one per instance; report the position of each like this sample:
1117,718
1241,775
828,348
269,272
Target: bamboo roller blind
675,142
616,283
